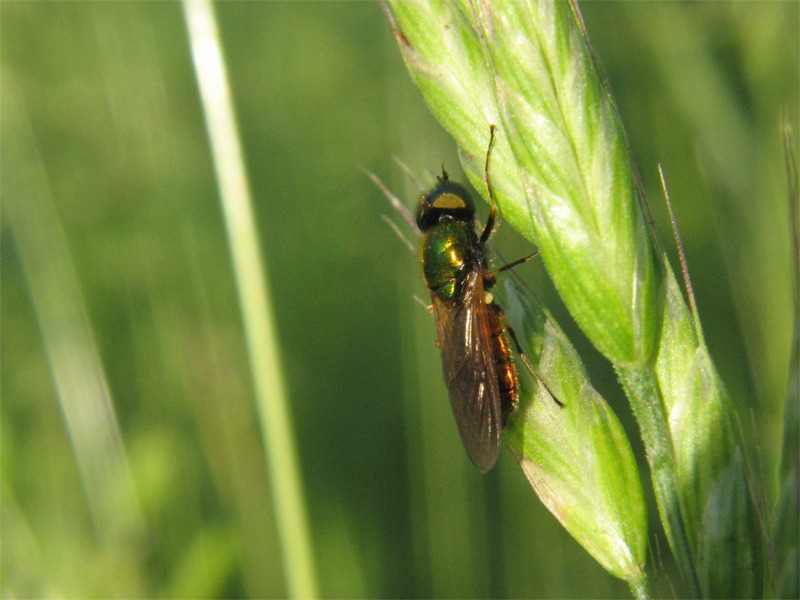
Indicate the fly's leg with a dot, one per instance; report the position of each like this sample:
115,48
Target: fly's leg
489,227
491,276
502,316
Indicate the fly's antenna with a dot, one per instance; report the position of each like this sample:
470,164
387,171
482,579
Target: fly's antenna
445,175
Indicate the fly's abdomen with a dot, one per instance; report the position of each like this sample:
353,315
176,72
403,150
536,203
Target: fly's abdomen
504,365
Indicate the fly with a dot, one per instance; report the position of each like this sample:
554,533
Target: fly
474,336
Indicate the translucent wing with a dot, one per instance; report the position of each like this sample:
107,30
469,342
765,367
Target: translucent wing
469,369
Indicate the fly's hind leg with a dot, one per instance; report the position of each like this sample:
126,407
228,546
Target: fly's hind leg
501,315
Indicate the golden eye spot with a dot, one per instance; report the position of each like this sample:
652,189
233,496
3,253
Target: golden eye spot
488,297
449,202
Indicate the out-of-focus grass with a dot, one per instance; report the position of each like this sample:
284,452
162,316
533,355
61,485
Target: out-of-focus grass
118,153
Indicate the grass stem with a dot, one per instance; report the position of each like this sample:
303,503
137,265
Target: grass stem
255,302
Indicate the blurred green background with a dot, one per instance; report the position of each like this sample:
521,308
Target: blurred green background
119,304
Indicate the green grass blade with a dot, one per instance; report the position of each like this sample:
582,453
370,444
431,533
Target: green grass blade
255,302
75,363
787,513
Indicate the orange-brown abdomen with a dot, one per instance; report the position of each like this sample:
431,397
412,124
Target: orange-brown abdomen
504,365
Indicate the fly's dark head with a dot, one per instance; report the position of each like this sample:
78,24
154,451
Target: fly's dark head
447,200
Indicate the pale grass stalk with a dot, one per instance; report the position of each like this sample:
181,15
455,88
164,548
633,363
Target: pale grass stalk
255,302
79,379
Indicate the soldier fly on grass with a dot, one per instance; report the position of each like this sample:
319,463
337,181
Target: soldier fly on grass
473,332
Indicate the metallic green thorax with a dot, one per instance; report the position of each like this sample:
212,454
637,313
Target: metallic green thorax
447,256
450,248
